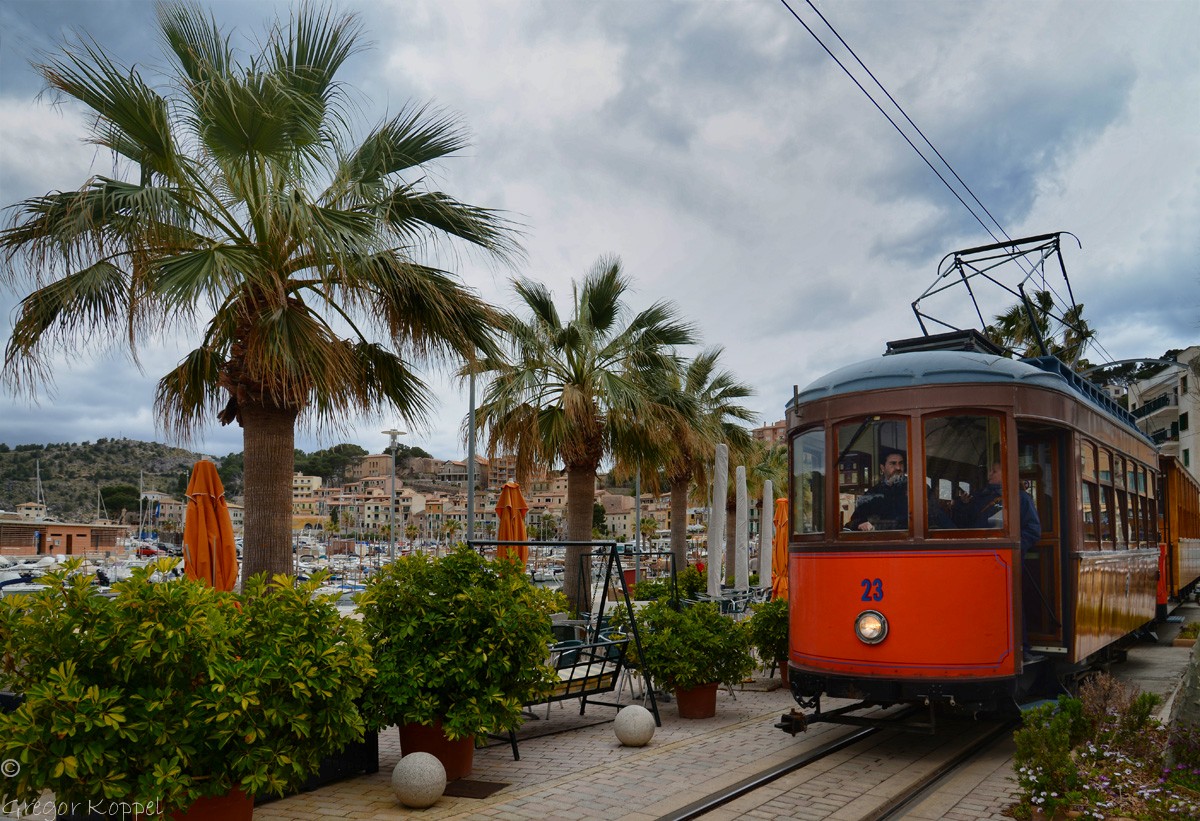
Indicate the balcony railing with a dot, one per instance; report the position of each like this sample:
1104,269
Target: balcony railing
1155,404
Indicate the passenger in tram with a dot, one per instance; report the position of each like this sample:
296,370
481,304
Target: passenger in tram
985,509
885,506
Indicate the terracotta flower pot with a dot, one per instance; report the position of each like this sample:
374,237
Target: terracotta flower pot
456,756
233,806
697,702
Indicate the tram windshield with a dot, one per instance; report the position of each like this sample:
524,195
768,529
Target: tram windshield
873,474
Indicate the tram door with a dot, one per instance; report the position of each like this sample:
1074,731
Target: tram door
1041,587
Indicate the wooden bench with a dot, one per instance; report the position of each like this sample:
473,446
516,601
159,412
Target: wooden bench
591,670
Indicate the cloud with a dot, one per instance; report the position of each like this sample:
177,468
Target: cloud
733,167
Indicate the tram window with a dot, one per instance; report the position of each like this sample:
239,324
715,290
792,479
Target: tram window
872,469
964,472
1089,491
1104,474
808,482
1036,462
1120,505
1146,482
1144,533
1133,516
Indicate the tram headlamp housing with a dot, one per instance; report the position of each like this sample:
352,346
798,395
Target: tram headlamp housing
871,627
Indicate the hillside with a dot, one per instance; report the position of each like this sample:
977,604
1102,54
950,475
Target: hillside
71,474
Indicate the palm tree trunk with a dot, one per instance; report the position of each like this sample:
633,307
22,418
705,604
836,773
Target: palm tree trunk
581,497
269,437
679,507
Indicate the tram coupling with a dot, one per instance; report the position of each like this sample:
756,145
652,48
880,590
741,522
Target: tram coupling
792,722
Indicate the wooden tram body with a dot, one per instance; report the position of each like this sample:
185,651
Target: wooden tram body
936,606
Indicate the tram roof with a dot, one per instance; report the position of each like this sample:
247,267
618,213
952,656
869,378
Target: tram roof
915,368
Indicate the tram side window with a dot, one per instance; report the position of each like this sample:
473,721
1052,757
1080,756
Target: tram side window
808,482
1133,515
1120,521
873,491
1147,480
964,472
1104,475
1089,491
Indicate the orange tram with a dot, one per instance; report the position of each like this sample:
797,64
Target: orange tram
970,531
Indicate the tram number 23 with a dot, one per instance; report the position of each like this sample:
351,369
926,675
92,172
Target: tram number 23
872,589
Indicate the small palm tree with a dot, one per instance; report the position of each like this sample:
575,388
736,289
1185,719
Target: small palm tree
250,209
580,390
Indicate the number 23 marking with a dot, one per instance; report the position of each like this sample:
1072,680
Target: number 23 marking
872,589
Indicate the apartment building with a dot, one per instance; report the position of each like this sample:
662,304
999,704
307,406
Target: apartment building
1164,404
775,434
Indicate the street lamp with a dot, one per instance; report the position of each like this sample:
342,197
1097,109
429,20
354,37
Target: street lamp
392,508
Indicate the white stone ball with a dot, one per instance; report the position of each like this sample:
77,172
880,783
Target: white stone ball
419,780
634,726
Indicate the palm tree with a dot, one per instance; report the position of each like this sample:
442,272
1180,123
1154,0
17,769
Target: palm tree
247,201
580,390
1020,327
707,399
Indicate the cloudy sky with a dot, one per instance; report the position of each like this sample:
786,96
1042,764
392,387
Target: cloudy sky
726,159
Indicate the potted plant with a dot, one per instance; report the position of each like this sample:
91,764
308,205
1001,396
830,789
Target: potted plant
460,644
769,634
1187,634
691,651
172,697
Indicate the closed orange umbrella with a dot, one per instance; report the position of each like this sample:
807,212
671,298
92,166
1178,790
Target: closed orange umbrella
209,551
510,511
779,556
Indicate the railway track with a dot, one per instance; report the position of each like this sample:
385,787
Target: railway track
970,744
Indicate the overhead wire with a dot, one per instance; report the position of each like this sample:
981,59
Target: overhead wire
1058,297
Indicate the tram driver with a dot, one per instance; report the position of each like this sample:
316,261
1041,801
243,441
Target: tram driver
885,506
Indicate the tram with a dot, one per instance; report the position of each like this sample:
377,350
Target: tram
1179,533
916,572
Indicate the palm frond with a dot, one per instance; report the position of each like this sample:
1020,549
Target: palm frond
133,120
190,394
64,314
408,140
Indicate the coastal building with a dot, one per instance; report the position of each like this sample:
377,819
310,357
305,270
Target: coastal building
20,536
1164,405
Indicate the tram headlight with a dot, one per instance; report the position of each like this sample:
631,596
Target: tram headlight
871,627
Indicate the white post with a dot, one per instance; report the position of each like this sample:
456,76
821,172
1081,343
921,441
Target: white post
741,550
393,433
716,521
766,536
471,462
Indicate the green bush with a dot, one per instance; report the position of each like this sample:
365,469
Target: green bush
769,630
171,691
686,648
690,582
459,639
